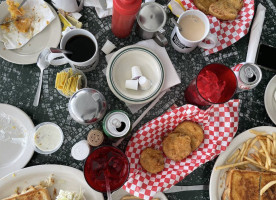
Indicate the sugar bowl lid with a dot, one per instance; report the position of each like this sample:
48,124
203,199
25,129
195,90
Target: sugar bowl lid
87,106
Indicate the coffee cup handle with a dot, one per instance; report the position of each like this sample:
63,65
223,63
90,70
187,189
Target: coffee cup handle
212,38
80,5
160,39
57,59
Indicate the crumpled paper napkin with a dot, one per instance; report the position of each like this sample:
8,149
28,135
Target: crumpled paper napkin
103,7
220,124
43,16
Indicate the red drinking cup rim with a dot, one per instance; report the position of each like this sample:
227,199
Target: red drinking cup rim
123,154
221,65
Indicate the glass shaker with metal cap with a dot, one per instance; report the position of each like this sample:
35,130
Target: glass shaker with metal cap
87,106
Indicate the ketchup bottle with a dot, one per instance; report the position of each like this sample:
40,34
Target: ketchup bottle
124,15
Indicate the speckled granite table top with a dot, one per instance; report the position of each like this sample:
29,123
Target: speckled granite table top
18,85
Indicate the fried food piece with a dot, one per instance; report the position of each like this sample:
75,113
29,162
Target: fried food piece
204,5
223,10
237,4
152,160
177,146
193,130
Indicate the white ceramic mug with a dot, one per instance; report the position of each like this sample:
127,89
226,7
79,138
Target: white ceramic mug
183,45
68,5
61,59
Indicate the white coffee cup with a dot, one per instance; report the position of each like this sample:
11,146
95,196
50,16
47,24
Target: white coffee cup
61,59
68,5
183,45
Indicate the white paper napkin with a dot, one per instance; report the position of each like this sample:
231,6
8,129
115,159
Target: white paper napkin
255,34
171,77
103,7
43,16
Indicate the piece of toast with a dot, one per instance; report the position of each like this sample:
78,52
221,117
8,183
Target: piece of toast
270,194
242,184
32,193
223,10
204,5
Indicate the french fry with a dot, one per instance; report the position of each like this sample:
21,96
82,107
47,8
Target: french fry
232,165
272,148
233,156
268,146
253,142
246,149
241,152
256,157
253,162
274,141
256,148
267,186
257,132
272,169
268,160
269,137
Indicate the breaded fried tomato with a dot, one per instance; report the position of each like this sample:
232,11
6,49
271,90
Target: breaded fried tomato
152,160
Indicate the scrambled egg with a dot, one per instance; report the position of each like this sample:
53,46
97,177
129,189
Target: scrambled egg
21,22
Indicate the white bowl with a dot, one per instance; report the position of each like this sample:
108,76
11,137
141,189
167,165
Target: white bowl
119,70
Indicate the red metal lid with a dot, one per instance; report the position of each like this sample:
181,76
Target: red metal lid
127,7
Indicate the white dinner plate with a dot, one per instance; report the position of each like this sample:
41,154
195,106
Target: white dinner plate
269,101
117,195
65,178
14,156
217,180
28,54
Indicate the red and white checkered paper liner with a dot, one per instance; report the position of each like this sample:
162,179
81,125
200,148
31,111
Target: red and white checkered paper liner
220,123
228,32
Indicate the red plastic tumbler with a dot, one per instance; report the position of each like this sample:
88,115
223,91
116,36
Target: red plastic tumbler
123,17
214,84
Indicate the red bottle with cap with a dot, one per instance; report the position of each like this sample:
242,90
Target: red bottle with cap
124,15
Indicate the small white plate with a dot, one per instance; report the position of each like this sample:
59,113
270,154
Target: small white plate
14,156
218,177
119,70
117,195
269,101
66,178
28,54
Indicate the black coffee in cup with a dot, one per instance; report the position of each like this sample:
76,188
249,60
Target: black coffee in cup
83,48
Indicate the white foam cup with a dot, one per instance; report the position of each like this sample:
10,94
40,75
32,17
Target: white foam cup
136,72
144,83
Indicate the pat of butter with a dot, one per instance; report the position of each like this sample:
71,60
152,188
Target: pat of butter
68,82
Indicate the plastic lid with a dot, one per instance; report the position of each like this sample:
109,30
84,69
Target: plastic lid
95,138
127,7
80,150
